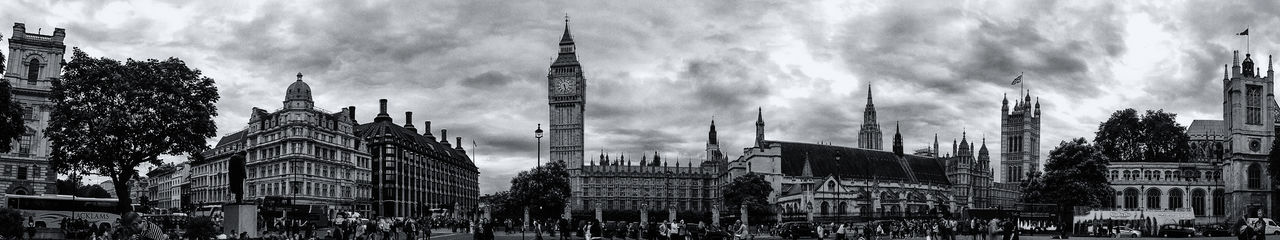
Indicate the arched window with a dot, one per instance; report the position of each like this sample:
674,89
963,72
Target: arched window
1255,176
1197,201
33,71
1153,198
1131,198
826,208
1126,174
1175,198
844,208
1218,202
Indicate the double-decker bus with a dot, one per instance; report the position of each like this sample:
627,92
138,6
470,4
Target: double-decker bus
50,210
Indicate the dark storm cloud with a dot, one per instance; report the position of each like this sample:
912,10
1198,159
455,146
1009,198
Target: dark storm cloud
656,76
487,80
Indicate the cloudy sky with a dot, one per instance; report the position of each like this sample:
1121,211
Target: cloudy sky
658,72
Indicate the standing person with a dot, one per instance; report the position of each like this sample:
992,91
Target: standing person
675,231
563,226
537,230
1260,227
586,230
744,233
841,231
664,230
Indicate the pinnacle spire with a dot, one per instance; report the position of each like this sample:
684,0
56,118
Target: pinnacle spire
567,38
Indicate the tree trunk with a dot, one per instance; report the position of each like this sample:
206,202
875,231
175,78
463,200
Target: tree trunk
121,182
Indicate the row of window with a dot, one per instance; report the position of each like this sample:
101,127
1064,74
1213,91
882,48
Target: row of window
1128,199
306,189
635,204
1165,175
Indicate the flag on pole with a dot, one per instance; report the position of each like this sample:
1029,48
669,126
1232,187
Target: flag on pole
1244,33
1017,79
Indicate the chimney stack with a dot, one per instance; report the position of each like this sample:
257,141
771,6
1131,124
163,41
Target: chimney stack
382,111
408,122
351,113
444,137
426,130
459,143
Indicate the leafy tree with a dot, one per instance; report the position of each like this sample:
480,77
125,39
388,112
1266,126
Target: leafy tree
11,124
544,190
1076,175
93,191
69,186
10,223
1152,137
750,190
1033,189
1273,168
110,116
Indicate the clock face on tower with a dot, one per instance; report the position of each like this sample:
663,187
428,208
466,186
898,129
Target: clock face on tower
564,86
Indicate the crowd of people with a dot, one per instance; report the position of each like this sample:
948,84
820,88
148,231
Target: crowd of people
940,228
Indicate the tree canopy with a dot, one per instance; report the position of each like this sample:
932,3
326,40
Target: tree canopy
750,190
544,189
1076,175
11,124
1152,137
110,116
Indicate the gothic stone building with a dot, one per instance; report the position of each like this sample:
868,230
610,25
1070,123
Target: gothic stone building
616,184
830,183
35,61
1226,177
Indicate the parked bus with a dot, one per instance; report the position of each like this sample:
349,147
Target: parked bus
50,210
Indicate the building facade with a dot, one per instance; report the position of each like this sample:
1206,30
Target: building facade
835,183
210,181
1225,177
615,183
412,172
166,186
1020,136
970,176
34,62
306,154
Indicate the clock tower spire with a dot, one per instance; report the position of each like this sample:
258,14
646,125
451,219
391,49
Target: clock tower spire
566,95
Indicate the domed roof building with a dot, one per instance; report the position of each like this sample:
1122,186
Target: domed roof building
298,95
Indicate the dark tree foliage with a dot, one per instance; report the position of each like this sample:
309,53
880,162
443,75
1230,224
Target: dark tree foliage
1033,189
201,227
11,125
544,190
1152,137
750,190
110,116
1273,167
74,186
1076,175
10,223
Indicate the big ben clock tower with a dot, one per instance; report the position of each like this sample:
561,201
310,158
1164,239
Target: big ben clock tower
566,94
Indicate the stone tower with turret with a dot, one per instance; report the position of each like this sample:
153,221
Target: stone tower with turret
1020,138
1247,107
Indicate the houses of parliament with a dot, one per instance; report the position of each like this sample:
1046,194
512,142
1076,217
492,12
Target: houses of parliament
613,182
833,180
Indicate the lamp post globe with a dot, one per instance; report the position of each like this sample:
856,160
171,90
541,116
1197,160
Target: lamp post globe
538,134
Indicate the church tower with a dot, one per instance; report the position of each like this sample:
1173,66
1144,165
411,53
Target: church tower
869,136
1020,136
566,93
35,61
1248,115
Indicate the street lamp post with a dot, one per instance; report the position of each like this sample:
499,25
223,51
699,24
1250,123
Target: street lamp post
538,134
